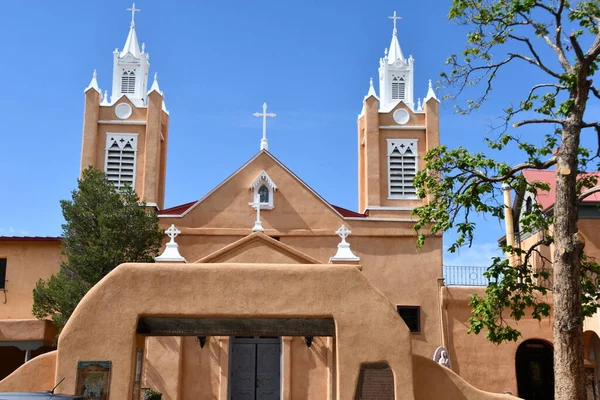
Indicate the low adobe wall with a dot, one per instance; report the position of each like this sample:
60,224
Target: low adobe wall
35,375
368,328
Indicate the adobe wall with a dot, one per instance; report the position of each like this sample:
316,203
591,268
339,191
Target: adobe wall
103,325
478,361
27,262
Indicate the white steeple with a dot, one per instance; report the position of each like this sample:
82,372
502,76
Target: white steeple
430,93
395,75
130,68
94,83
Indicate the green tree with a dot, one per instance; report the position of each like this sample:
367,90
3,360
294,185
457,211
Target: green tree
104,227
555,44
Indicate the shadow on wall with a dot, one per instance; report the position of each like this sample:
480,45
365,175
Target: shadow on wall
309,378
153,374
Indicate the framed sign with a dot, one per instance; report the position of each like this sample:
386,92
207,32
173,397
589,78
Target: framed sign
93,379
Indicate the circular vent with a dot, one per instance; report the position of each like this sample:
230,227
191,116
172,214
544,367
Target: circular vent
123,111
401,116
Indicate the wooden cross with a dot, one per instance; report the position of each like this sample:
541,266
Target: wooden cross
343,232
172,232
395,18
264,145
133,11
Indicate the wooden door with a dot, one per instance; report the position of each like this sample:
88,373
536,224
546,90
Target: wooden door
255,370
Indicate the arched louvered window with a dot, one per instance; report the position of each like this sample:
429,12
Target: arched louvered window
263,193
128,82
402,168
120,161
398,88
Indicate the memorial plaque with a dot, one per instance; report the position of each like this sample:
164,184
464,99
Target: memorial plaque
375,382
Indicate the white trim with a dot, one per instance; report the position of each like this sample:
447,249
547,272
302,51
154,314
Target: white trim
151,205
120,122
403,127
240,169
390,208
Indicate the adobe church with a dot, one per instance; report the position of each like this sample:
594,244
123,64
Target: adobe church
264,290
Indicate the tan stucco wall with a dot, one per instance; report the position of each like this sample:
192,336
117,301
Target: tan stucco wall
35,376
236,290
27,262
478,361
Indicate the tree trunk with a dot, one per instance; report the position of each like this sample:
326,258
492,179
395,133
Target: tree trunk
568,325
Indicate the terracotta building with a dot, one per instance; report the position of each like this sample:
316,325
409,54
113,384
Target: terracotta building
293,297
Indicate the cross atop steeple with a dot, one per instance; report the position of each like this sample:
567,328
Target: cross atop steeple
264,145
393,17
133,11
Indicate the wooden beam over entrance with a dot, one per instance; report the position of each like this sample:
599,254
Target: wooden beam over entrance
152,326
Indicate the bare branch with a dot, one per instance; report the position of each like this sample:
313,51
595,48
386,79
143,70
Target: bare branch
535,54
588,193
578,51
519,167
595,92
539,121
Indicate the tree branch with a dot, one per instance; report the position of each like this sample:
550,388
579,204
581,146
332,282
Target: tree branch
588,193
519,167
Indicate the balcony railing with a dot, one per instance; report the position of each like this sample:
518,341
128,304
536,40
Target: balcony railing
458,275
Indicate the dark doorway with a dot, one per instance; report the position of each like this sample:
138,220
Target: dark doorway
535,370
255,368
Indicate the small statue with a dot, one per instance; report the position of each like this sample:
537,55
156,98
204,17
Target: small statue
440,356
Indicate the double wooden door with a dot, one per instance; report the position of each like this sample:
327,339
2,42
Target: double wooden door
255,368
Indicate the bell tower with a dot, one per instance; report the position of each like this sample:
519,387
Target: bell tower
394,134
127,134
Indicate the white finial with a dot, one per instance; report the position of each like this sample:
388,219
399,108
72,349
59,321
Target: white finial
257,224
371,90
143,47
385,51
419,105
430,93
133,11
105,99
264,145
344,253
171,252
395,18
154,86
94,83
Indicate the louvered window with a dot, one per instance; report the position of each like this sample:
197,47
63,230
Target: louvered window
128,82
402,168
121,152
398,88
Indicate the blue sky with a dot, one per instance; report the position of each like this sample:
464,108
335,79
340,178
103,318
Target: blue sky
217,63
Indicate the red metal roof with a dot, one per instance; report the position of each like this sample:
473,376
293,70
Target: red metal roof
177,210
180,209
30,238
547,199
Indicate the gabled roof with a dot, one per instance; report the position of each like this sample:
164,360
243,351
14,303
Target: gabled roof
547,199
183,209
265,240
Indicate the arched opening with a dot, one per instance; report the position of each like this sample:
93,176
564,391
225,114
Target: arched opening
591,354
535,370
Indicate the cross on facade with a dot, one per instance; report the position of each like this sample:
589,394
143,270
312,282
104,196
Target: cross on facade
264,145
133,11
395,18
257,224
172,232
343,232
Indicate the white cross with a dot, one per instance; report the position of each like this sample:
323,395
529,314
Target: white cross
395,18
264,145
133,11
172,232
343,232
257,224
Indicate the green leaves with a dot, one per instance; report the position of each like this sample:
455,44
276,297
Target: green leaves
104,228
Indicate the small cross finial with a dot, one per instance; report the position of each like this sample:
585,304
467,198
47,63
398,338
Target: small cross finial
172,232
343,232
430,85
264,145
133,11
395,18
371,82
156,76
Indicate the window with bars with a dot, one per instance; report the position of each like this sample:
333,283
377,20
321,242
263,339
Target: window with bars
121,159
2,273
128,82
398,88
402,168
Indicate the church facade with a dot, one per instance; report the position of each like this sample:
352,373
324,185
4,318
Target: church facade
289,290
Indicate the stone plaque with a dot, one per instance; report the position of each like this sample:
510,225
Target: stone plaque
375,382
